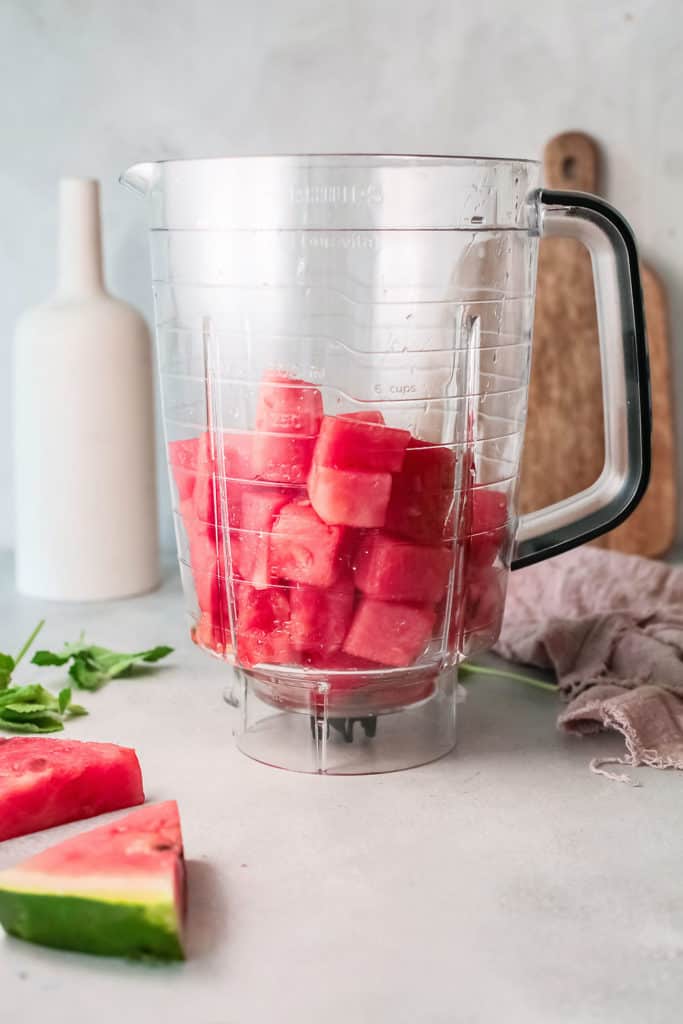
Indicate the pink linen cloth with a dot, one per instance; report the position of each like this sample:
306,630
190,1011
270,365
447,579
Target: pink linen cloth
611,628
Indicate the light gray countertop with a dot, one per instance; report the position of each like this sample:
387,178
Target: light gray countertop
503,883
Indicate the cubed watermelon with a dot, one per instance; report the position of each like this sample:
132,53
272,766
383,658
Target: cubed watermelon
367,416
288,406
283,458
320,617
349,443
388,632
346,497
236,463
260,506
484,599
182,458
207,634
209,584
489,515
206,574
396,570
263,626
422,494
303,548
288,418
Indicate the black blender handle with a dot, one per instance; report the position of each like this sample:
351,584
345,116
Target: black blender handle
625,379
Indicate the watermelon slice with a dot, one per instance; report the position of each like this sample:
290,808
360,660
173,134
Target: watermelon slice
304,549
118,890
346,442
288,418
388,632
345,497
489,519
46,782
422,494
320,618
396,570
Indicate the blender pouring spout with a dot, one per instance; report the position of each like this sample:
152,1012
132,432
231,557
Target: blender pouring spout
140,178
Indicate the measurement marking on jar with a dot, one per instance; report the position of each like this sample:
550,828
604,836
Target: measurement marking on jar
343,240
336,195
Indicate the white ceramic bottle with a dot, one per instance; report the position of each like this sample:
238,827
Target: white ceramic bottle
85,489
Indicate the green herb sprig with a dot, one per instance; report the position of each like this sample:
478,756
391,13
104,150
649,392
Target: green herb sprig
34,709
466,668
92,667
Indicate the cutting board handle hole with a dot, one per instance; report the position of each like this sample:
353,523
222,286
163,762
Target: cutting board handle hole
569,166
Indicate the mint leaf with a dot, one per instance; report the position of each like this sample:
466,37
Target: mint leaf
156,654
93,666
64,698
8,663
47,723
76,710
7,667
34,693
27,644
34,709
467,669
29,708
49,658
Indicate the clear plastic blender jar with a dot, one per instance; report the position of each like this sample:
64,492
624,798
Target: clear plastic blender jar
344,348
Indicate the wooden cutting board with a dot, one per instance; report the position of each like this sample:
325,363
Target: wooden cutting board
563,450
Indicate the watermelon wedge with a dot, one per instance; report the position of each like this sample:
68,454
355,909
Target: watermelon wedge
117,890
46,782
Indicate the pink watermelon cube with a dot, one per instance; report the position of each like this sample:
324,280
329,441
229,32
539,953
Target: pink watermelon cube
396,570
260,506
347,497
488,521
182,458
288,418
283,458
320,618
206,634
263,626
304,549
484,599
346,442
388,632
368,416
422,494
237,464
288,406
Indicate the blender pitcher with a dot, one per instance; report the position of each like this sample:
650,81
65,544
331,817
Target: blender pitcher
344,348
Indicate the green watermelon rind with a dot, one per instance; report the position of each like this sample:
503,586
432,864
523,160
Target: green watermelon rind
93,924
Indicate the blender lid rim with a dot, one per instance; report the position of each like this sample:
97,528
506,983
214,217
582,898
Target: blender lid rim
454,158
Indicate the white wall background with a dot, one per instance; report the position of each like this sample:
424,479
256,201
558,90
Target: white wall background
88,87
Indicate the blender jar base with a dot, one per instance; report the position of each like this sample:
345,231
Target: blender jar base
314,734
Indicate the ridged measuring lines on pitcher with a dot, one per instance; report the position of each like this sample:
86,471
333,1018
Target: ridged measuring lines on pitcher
417,330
